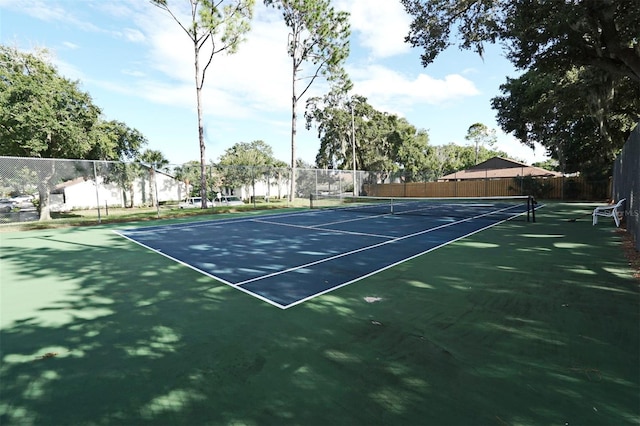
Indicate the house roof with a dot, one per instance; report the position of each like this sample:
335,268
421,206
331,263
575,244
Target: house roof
59,188
498,167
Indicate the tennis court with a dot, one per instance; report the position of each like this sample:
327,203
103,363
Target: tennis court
285,259
521,324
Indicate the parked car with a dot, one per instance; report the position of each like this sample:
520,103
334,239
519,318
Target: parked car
228,200
6,205
193,203
23,201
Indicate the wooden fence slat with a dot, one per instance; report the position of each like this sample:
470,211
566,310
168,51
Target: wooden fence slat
557,188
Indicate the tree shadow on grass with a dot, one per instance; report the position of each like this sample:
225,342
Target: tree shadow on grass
525,323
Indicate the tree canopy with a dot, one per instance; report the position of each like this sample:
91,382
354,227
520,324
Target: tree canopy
449,158
387,144
43,114
384,142
582,116
479,134
579,93
245,162
537,34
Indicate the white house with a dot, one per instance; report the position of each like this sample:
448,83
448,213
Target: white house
81,193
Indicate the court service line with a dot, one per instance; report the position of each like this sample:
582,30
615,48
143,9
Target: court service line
338,222
446,243
295,268
317,228
207,222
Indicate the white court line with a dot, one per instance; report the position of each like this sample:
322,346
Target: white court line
295,268
338,222
317,228
151,229
264,299
276,304
405,259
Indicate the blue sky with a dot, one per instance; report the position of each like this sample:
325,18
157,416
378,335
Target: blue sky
137,65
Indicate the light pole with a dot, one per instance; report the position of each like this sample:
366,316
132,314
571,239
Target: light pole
353,150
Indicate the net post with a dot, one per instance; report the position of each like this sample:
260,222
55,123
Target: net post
533,209
311,200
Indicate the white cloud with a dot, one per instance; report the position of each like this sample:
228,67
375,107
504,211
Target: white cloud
389,88
134,73
256,78
70,46
69,70
379,26
38,9
133,35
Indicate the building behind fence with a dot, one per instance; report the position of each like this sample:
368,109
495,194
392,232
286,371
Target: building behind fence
626,183
58,186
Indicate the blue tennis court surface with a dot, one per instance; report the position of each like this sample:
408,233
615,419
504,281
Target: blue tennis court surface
285,259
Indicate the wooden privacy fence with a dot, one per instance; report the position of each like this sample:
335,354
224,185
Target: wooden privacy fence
557,188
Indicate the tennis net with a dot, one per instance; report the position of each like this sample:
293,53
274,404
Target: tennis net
495,207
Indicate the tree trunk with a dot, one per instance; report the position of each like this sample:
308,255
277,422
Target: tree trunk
131,195
294,102
203,174
152,185
44,190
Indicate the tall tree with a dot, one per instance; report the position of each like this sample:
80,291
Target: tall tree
449,158
221,25
582,117
480,135
189,174
319,38
45,115
337,120
587,50
384,143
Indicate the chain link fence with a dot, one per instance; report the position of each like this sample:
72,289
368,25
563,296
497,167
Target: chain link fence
34,188
626,183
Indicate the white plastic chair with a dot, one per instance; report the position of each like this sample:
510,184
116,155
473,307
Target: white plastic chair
614,210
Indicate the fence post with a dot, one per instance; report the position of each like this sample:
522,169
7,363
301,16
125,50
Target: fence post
95,179
155,185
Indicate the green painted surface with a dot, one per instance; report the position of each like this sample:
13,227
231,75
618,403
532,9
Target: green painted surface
520,324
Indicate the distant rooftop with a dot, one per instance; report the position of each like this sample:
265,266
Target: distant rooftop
499,168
